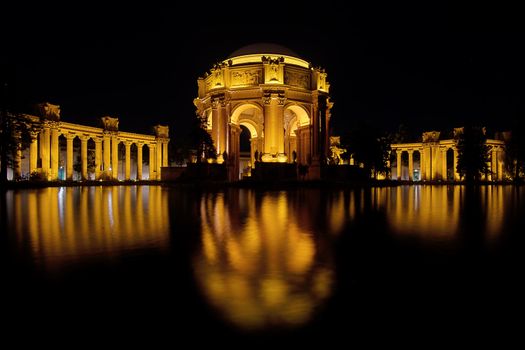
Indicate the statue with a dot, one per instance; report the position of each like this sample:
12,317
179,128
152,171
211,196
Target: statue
110,124
48,111
336,151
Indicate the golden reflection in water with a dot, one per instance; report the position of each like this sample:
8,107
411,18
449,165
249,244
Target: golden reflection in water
260,264
436,212
61,225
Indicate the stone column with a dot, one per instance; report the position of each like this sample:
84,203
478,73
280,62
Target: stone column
253,148
422,174
499,157
165,153
44,149
152,172
98,157
398,154
107,153
444,174
139,160
17,169
83,156
128,160
54,153
219,125
273,125
456,173
33,153
494,164
158,161
69,156
410,165
114,157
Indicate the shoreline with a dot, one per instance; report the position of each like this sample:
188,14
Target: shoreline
291,184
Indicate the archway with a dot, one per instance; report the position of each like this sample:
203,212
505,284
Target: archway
297,134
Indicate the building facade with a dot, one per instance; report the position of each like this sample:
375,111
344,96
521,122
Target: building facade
280,98
47,160
435,159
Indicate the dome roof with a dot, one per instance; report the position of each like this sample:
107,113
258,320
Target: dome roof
263,48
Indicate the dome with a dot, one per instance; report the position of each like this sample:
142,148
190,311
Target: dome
263,48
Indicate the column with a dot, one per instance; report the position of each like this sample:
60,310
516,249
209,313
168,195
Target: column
165,153
273,124
98,157
398,154
114,157
456,173
499,157
128,160
54,153
69,156
107,154
139,160
17,173
83,156
152,172
158,161
494,164
444,174
44,149
33,153
410,165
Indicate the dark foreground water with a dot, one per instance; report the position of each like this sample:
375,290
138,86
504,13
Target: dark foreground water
420,264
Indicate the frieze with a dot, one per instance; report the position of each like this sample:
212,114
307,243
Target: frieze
246,77
297,79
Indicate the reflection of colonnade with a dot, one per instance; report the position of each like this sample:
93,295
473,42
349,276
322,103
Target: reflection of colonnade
62,225
44,150
278,97
435,159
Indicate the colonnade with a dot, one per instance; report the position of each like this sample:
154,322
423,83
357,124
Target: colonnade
433,164
44,149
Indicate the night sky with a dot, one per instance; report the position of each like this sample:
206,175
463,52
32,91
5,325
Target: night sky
429,66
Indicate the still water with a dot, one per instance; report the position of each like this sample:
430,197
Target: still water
250,264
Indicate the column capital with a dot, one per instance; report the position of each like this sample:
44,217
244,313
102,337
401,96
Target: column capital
84,137
97,139
69,136
127,143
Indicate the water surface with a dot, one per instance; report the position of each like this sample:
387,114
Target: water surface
292,265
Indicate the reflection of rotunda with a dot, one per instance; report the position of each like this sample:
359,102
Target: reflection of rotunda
278,97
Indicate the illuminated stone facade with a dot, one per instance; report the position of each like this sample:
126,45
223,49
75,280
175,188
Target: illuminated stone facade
280,98
437,159
44,153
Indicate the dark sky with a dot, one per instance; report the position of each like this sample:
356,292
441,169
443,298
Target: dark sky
425,64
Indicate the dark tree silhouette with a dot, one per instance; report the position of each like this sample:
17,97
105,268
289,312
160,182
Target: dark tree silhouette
369,146
515,150
200,140
473,153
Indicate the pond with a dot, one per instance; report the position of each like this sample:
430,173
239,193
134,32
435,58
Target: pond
295,265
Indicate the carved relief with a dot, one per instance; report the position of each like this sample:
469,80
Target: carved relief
110,124
247,77
273,71
297,79
431,136
48,111
162,131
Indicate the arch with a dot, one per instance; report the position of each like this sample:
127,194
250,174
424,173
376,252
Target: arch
303,116
250,125
242,107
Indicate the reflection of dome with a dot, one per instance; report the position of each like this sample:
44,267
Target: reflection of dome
263,48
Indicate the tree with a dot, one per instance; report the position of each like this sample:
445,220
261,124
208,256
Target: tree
16,132
473,153
515,150
200,140
369,146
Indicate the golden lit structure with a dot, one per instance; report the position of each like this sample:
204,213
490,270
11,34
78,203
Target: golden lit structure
44,150
438,158
280,98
